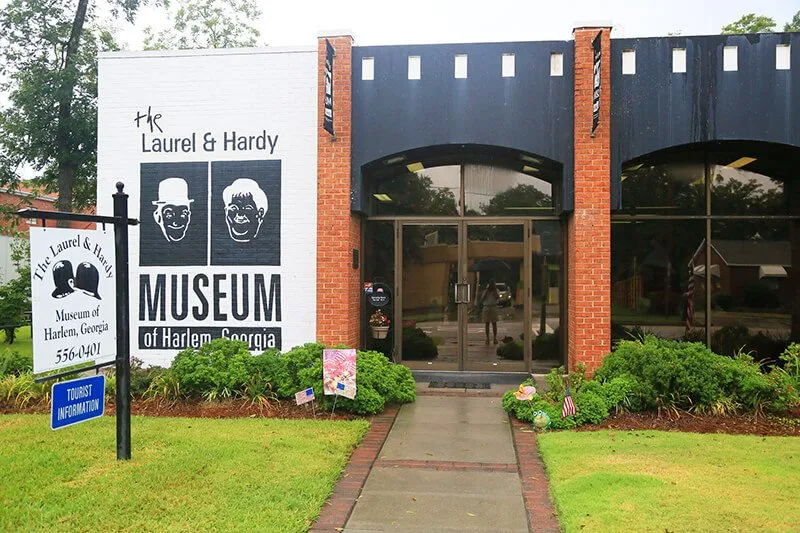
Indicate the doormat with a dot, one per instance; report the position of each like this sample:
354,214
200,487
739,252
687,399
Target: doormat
457,385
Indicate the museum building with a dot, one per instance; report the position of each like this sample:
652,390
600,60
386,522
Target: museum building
499,206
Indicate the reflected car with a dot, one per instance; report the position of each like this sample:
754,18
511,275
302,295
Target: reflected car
506,299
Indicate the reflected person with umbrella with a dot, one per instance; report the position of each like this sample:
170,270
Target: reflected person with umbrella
490,300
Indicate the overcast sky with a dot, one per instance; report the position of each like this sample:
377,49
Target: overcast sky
376,22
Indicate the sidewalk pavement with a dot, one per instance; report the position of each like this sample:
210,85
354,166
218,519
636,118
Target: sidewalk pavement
450,464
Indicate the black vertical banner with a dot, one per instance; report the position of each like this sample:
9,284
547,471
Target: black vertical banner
327,119
596,82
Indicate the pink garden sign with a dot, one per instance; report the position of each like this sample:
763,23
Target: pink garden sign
339,372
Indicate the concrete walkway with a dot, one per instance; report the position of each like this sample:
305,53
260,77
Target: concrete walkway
448,464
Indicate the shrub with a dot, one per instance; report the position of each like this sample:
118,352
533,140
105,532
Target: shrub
760,295
729,340
722,300
545,346
511,350
15,363
590,408
379,381
218,369
417,344
20,391
679,375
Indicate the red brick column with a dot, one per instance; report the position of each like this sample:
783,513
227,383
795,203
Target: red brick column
338,231
589,226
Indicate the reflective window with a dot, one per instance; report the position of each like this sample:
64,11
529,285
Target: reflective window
738,189
497,191
651,267
752,291
429,191
673,188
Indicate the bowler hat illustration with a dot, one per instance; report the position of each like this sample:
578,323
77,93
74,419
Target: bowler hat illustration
87,278
173,191
63,279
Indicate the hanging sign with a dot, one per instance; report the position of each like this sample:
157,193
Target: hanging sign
378,297
339,372
77,400
327,119
596,82
73,297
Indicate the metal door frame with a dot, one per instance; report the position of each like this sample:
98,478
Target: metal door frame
462,224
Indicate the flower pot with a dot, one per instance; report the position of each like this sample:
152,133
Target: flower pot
380,332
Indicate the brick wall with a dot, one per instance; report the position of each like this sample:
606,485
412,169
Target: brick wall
589,226
338,231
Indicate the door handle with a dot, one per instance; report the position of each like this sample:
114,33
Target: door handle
462,293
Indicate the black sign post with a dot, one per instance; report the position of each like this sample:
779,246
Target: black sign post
596,47
123,325
120,221
327,119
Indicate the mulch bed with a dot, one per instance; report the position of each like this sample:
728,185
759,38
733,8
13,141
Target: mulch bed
202,409
789,425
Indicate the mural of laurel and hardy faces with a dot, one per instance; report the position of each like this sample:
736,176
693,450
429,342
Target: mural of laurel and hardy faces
243,223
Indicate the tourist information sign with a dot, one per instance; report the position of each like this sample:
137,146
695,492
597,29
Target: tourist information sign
77,401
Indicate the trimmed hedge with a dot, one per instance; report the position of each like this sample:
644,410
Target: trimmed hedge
225,368
653,373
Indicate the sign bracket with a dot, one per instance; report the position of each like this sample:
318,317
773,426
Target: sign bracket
60,375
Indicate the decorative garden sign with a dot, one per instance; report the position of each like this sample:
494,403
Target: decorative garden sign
339,372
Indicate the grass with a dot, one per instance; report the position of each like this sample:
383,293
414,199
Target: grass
664,481
22,342
185,475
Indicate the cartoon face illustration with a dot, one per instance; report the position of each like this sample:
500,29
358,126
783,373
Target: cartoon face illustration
173,208
245,207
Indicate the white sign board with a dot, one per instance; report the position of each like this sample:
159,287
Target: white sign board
218,152
74,297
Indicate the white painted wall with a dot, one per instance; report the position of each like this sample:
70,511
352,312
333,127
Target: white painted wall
209,93
8,270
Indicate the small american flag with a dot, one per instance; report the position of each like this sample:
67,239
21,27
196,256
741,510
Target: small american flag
569,405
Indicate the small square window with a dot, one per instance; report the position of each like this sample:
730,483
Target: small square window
629,61
556,64
679,60
414,67
730,58
367,68
509,65
461,66
783,56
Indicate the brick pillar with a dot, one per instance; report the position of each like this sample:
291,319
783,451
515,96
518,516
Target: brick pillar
589,226
338,231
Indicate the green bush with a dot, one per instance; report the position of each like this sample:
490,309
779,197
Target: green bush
417,344
546,346
729,340
378,381
511,350
219,368
679,375
722,300
15,363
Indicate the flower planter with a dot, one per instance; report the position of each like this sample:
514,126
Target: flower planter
380,332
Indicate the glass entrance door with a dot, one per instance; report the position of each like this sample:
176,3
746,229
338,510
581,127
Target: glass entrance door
427,312
496,328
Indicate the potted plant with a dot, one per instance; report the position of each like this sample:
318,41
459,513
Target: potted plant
379,323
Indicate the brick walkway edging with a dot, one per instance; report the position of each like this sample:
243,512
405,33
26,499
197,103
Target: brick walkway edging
337,509
535,487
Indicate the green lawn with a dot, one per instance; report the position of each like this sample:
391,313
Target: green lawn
185,475
664,481
22,342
